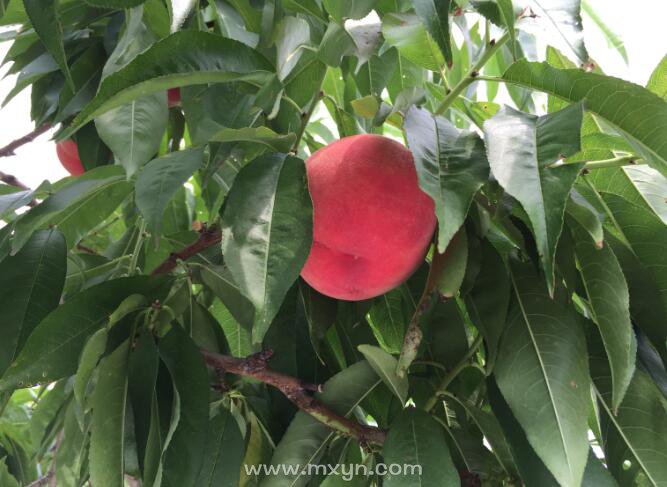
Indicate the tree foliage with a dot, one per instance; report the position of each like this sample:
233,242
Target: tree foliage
154,328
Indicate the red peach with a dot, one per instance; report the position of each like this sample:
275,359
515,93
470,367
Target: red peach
372,222
173,97
68,153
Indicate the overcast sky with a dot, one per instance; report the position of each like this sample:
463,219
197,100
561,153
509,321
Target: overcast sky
639,23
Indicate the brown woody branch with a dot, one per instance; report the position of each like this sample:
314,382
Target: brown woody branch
12,181
42,481
256,367
9,149
208,237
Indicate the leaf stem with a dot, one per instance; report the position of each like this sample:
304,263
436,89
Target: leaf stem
447,379
472,75
137,247
615,162
305,117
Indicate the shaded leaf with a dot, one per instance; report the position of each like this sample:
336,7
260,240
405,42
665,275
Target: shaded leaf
44,19
415,438
31,282
609,306
224,451
184,453
384,366
521,147
90,356
634,432
53,349
159,180
107,430
488,301
542,372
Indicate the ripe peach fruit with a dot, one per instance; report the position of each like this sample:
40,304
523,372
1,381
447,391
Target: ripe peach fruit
372,222
68,153
173,97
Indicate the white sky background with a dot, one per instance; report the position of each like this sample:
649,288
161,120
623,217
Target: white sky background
640,24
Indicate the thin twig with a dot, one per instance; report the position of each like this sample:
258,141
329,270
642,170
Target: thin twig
414,335
42,481
256,367
447,379
12,181
305,117
208,237
472,75
9,149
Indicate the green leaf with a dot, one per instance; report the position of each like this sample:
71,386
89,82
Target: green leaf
407,34
415,438
52,351
521,147
609,306
490,427
531,468
108,423
647,237
488,301
221,282
635,432
117,4
451,167
640,185
31,282
635,111
435,16
90,356
335,44
542,372
292,33
306,438
585,215
384,366
184,453
63,207
452,264
224,451
389,319
44,19
266,239
78,219
348,9
181,59
13,198
657,83
86,73
159,180
260,135
133,131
